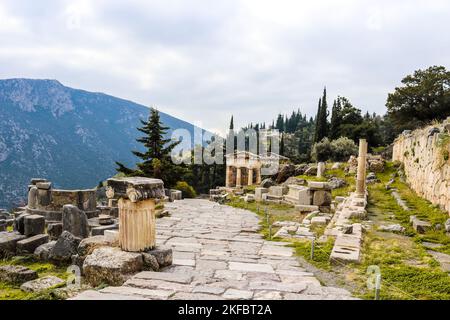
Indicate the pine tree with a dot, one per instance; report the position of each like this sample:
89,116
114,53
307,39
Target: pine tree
156,160
282,145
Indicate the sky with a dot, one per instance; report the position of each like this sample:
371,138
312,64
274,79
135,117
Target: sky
203,60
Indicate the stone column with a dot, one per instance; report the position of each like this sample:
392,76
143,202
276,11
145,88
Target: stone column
238,177
361,172
137,198
32,197
258,175
320,169
250,177
227,177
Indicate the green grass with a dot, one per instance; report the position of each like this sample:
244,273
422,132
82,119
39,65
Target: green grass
322,252
13,292
407,270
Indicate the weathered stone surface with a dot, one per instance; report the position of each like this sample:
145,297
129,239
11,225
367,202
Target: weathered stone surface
8,243
306,208
42,284
75,221
111,235
311,171
321,220
43,251
322,198
163,255
259,192
166,276
286,171
235,294
150,262
135,188
88,245
65,247
34,224
421,226
335,182
99,231
19,225
266,183
392,228
111,266
29,245
16,274
318,185
54,230
250,267
447,225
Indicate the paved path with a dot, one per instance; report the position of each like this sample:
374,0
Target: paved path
218,254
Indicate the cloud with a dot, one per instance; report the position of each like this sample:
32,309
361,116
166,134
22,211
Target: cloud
205,60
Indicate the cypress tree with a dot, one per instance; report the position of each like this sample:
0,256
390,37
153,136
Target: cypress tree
336,119
156,159
321,130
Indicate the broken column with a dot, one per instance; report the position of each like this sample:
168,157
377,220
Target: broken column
137,196
361,172
238,177
320,169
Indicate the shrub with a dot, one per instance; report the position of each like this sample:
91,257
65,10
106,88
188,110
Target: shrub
321,151
186,189
343,148
337,150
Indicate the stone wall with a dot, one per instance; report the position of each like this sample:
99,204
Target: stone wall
425,155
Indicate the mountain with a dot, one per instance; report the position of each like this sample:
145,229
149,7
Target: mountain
71,137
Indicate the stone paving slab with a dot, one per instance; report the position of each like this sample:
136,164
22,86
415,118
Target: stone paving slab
216,258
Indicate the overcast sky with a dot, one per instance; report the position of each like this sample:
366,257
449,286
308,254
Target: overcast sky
203,61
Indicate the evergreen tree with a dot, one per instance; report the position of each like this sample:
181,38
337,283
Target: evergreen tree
156,159
336,119
321,118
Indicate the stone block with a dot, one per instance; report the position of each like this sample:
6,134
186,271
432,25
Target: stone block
111,236
75,221
319,185
34,224
44,185
65,247
42,284
19,225
163,255
99,231
16,275
320,220
3,225
54,230
421,226
111,266
29,245
300,195
88,245
278,191
176,194
8,243
306,208
43,251
322,198
259,193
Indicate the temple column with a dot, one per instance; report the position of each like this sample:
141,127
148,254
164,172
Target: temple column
250,177
227,177
361,173
137,198
238,177
258,175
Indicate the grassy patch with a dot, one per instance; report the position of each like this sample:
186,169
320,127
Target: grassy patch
13,292
322,252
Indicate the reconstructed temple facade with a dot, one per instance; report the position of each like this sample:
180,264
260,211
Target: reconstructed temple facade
244,168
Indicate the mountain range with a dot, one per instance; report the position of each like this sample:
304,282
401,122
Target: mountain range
69,136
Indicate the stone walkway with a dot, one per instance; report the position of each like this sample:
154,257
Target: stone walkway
218,254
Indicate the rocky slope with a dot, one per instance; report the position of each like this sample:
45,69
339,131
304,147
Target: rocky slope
69,136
